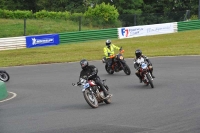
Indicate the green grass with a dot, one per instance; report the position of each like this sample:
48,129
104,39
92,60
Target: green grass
176,44
15,27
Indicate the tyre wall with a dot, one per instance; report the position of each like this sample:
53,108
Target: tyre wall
3,90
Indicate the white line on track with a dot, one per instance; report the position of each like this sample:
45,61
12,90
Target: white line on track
14,95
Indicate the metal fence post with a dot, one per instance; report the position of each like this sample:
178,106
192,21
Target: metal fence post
24,26
199,9
134,19
80,23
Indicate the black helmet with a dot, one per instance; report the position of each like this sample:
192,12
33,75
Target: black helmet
108,42
138,53
84,63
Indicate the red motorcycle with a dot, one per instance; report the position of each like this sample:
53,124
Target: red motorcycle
145,72
92,93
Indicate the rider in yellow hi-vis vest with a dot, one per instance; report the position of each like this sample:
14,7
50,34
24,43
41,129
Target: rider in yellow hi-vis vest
109,50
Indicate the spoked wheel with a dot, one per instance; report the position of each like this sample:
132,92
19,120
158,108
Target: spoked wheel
150,81
90,99
127,70
4,76
109,71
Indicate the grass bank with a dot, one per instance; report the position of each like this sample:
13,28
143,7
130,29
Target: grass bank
182,43
15,27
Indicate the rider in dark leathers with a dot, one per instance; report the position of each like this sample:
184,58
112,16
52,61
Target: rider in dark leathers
90,72
138,54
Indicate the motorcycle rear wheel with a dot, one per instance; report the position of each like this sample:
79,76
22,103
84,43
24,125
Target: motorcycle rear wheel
90,98
108,71
150,81
107,101
4,76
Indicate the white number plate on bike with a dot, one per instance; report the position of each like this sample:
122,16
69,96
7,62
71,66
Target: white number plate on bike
144,65
85,86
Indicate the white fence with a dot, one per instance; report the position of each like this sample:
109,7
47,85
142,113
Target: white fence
12,43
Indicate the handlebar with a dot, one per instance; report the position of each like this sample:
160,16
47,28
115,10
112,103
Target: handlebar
112,56
121,52
76,84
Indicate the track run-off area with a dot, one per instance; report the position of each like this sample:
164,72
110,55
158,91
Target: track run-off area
46,102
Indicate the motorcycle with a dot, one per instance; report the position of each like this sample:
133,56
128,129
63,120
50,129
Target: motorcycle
145,72
4,76
118,64
92,93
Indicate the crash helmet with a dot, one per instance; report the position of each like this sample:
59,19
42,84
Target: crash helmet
108,42
84,63
138,53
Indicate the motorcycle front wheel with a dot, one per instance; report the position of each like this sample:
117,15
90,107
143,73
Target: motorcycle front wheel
127,70
150,81
4,76
90,98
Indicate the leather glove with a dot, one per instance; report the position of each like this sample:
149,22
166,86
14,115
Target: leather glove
90,76
78,83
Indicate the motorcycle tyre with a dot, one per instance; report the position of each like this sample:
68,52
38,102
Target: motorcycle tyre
109,72
127,70
94,104
107,101
5,75
150,81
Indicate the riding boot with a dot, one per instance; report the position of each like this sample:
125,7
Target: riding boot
138,75
151,71
103,88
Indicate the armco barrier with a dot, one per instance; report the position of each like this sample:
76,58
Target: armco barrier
81,36
3,91
12,43
189,25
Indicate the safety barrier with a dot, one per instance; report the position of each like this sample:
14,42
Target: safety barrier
189,25
112,33
3,90
81,36
12,43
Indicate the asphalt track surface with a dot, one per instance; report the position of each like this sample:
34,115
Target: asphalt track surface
46,102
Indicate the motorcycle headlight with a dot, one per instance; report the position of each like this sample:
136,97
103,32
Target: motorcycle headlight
121,57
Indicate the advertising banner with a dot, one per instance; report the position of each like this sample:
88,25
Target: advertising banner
145,30
42,40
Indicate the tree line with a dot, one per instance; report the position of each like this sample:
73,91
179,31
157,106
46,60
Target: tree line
123,6
131,12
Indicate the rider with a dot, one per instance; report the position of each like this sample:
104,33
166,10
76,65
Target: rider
138,54
108,51
90,72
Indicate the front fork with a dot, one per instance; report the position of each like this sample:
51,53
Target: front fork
145,76
122,63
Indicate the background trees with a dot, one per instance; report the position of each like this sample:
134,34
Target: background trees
123,6
131,12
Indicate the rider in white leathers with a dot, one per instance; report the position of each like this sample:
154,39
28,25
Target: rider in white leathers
141,58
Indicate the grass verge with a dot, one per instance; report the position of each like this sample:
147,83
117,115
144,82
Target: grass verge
175,44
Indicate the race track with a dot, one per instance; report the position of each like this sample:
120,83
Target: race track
46,102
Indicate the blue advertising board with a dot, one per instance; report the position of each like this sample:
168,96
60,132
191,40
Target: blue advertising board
42,40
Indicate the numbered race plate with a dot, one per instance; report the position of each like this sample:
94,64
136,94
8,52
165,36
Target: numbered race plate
144,65
85,86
